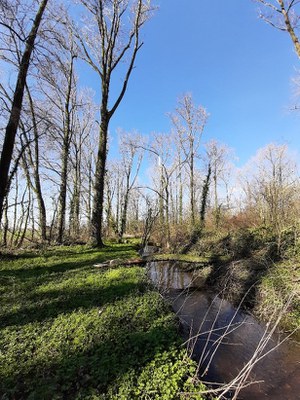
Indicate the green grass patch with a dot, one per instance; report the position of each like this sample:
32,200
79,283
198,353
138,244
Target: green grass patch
70,331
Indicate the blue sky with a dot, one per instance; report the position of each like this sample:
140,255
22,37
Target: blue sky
236,66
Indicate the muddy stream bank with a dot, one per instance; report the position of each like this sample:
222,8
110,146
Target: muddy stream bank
222,339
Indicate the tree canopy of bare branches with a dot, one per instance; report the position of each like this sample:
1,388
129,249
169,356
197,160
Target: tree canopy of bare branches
110,36
283,15
14,117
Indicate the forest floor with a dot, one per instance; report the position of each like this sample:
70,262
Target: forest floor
69,330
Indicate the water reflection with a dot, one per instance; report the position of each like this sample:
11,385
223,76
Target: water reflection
223,340
170,276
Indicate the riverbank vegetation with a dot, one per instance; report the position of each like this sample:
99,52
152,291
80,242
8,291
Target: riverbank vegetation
245,267
258,274
69,330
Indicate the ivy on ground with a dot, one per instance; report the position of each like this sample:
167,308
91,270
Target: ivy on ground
73,331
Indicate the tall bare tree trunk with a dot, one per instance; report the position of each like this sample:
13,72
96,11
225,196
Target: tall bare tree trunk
108,208
161,198
25,214
5,224
123,217
196,234
118,206
35,164
89,194
167,215
180,200
75,202
15,209
13,123
114,47
192,185
217,208
97,213
129,153
65,157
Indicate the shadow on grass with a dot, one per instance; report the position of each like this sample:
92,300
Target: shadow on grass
52,303
28,272
42,293
79,285
57,266
91,370
66,251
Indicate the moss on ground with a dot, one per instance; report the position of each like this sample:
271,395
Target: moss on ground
69,330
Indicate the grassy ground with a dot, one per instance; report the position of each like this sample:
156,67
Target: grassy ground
71,331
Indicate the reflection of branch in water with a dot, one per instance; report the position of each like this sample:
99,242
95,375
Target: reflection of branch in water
191,342
215,330
241,380
226,332
216,335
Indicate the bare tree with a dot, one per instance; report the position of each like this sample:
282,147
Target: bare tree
134,222
218,155
151,215
271,188
33,157
113,190
131,161
161,150
14,117
67,136
283,15
189,121
80,159
111,35
198,228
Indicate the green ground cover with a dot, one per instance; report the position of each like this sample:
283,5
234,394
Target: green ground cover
71,331
281,285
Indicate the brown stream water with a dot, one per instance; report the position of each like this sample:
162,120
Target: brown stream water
225,339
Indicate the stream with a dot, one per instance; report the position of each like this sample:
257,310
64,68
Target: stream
222,339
